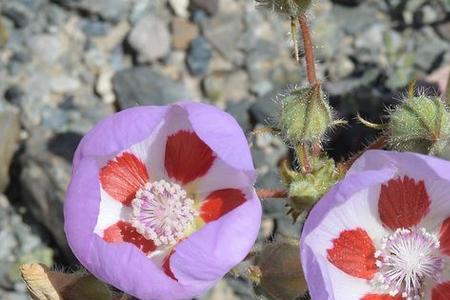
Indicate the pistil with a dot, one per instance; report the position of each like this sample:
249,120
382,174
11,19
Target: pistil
406,259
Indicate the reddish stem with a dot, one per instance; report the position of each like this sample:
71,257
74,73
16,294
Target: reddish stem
377,144
302,153
309,52
266,193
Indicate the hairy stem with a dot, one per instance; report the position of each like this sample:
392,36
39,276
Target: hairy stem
377,144
309,52
267,193
303,156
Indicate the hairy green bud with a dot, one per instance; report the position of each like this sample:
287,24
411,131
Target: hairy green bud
420,124
285,7
281,275
304,190
441,149
305,115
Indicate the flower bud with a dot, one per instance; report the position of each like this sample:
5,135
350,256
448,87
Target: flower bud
441,149
305,115
285,7
281,275
420,124
304,190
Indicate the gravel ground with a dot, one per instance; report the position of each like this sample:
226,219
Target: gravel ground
65,64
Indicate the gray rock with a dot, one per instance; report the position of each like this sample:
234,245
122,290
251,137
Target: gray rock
95,28
236,86
213,87
209,6
260,61
372,38
223,33
44,178
198,57
111,10
14,296
223,86
9,137
349,2
46,47
243,289
144,86
20,244
56,15
346,20
287,228
266,109
199,16
150,38
17,13
140,9
429,49
340,67
239,110
444,30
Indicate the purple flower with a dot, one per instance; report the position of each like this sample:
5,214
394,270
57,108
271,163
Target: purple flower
161,203
383,232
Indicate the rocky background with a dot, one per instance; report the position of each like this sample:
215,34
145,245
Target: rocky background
65,64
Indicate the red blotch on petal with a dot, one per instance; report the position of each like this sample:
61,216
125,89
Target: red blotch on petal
123,176
444,237
441,291
166,266
403,203
220,202
381,297
353,252
125,232
187,157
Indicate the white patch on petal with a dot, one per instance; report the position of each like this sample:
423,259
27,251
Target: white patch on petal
360,211
220,176
110,212
341,285
159,255
439,193
175,121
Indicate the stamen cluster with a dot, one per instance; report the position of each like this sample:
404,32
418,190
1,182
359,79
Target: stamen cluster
162,212
407,257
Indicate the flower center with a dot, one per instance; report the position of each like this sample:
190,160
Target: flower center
162,212
408,257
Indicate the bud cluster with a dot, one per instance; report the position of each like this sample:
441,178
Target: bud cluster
420,124
305,189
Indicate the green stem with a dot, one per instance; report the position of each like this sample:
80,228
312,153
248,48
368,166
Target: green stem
294,38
